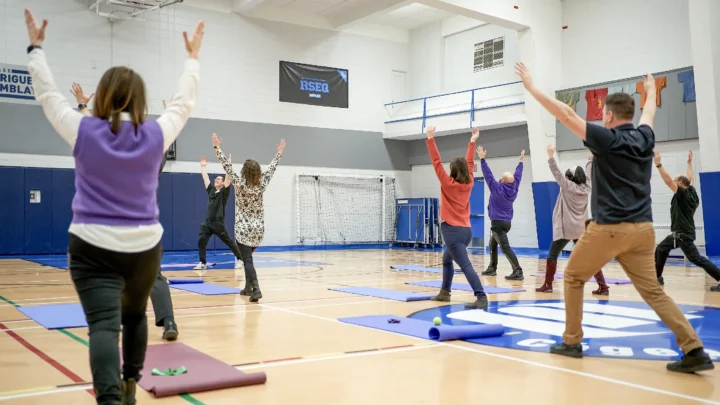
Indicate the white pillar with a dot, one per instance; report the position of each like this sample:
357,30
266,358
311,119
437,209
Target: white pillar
705,42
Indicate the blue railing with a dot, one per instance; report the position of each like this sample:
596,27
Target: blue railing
470,110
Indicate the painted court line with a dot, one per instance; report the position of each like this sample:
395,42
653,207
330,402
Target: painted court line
533,363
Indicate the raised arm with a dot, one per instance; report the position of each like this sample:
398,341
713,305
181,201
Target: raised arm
268,174
560,178
519,170
228,179
560,110
470,154
82,99
203,165
487,173
648,114
435,156
234,178
667,179
57,108
690,174
177,113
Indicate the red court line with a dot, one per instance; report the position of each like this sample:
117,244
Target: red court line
59,367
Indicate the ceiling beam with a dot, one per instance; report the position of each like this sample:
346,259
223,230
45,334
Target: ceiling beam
489,11
363,10
243,6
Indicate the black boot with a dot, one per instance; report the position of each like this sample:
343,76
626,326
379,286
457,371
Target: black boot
128,392
562,349
256,294
170,330
516,275
491,271
248,288
696,360
443,296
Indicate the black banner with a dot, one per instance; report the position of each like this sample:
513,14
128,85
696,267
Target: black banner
314,85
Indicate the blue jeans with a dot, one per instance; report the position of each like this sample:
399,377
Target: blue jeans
457,239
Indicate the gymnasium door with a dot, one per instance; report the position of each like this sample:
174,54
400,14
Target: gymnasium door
477,213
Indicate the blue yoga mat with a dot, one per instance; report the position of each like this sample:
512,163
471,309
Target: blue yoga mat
382,293
58,316
207,289
175,281
465,287
415,267
425,329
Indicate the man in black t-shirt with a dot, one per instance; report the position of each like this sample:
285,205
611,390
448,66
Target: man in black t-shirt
622,217
218,196
682,225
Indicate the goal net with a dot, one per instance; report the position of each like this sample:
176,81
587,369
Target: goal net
337,209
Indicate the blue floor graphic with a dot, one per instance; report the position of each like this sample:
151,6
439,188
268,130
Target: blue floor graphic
178,261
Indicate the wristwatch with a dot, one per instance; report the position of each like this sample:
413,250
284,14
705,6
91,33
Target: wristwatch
82,106
659,165
33,47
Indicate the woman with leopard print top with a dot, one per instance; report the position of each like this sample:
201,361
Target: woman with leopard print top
250,187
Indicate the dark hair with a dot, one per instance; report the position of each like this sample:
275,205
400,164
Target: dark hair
578,177
251,173
121,90
621,104
459,170
684,180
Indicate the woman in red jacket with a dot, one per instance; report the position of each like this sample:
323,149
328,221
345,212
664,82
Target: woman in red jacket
455,218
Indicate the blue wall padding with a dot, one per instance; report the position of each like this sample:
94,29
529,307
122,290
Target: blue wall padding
38,216
166,209
544,195
12,210
63,190
710,183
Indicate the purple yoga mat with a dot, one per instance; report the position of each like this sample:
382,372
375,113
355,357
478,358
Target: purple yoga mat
387,294
415,267
465,287
204,373
608,280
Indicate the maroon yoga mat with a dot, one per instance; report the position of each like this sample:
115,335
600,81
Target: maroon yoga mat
204,373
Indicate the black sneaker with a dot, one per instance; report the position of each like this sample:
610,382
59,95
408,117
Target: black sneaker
480,303
170,331
128,392
715,288
574,351
661,280
443,296
516,275
490,272
692,364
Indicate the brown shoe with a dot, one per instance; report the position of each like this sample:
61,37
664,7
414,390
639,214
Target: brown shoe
443,296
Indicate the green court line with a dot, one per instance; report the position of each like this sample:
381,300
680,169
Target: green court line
78,339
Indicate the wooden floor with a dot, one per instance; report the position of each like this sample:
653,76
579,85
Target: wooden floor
297,321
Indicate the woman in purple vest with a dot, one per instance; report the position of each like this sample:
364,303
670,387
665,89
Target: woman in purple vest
115,237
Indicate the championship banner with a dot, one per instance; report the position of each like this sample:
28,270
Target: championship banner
314,85
15,84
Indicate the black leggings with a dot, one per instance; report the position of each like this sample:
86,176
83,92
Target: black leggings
246,253
113,288
556,248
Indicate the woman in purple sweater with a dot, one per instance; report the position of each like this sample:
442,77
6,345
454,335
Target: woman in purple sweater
115,237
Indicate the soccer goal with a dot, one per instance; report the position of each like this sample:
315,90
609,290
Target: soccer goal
345,209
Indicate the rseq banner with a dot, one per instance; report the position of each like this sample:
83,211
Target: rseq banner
15,84
314,85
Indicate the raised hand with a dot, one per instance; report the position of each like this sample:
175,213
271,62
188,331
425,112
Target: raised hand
192,45
475,135
203,161
522,71
81,98
481,152
36,32
551,150
648,82
164,105
522,156
690,156
657,158
281,146
216,141
430,132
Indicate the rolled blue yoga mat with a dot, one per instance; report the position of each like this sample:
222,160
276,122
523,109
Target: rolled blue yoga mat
175,281
450,332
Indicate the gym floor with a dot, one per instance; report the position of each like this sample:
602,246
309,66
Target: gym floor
293,335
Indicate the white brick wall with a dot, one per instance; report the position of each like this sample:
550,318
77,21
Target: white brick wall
239,60
424,183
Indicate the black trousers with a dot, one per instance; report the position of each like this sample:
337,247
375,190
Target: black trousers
161,301
499,231
210,228
113,288
556,248
686,242
246,253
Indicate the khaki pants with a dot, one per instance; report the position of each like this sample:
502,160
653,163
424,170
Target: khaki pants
634,247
